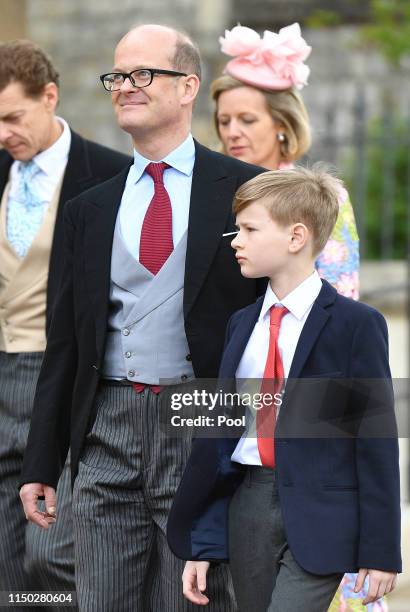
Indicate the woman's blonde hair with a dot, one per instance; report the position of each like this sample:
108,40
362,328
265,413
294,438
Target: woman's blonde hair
287,109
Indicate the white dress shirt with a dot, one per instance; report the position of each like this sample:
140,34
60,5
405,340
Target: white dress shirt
250,370
139,190
52,163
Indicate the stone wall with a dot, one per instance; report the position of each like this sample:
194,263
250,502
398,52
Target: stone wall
81,38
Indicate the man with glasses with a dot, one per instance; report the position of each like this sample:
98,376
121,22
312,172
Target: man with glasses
43,163
149,284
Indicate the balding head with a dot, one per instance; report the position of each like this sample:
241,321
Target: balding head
182,52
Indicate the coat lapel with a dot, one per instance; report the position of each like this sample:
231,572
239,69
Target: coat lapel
101,212
5,164
78,175
236,345
210,207
314,324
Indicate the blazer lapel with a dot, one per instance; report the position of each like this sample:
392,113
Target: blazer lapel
5,165
211,197
314,324
101,213
236,345
78,175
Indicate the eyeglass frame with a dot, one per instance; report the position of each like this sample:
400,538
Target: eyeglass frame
128,75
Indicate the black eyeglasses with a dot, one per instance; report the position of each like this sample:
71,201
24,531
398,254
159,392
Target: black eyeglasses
112,81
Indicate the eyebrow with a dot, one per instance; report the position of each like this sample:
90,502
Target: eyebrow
141,67
11,114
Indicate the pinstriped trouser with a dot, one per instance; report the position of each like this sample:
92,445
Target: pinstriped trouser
30,557
128,474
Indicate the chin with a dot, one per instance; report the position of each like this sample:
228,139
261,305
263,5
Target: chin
248,273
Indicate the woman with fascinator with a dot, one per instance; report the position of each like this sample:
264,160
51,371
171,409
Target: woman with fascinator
261,119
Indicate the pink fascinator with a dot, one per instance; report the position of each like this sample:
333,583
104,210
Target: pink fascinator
274,61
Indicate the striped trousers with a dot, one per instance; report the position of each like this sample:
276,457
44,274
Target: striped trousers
128,474
30,557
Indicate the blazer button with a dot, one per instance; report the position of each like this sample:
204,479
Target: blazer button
188,358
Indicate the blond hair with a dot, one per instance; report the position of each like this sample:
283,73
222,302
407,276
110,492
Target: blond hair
287,109
299,195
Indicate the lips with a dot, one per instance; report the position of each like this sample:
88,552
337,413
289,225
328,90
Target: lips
237,150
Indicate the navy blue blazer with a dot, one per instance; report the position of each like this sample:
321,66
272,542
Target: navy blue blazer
338,478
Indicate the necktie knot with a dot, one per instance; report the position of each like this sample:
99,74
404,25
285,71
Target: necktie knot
28,170
276,315
156,171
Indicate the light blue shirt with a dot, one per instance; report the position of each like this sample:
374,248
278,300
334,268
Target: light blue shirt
139,190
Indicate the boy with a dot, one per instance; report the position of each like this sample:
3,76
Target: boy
315,493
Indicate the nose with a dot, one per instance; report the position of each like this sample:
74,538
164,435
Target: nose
233,129
127,86
236,243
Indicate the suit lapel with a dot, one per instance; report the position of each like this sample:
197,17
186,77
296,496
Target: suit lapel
5,165
101,213
210,207
314,324
236,345
78,175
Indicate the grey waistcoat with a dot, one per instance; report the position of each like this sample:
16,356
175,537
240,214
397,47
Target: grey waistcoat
146,339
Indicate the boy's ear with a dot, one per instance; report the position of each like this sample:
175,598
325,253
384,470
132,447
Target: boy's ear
299,235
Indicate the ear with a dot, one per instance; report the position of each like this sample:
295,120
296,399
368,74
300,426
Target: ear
50,96
191,85
298,238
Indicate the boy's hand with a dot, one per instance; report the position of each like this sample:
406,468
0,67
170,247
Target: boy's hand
380,583
194,582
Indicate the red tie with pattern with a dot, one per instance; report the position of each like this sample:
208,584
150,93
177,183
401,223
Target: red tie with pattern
272,382
156,243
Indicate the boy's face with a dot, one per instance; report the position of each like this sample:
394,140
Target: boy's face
262,245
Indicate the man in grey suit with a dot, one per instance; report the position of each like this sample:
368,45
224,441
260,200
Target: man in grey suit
43,163
149,285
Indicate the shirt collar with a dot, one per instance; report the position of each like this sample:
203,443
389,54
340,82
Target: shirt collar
298,301
56,154
182,159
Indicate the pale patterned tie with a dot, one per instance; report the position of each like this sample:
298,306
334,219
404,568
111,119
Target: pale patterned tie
25,211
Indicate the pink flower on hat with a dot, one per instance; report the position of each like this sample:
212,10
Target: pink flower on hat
272,62
240,41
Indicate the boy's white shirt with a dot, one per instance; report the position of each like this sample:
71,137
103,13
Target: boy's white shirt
250,370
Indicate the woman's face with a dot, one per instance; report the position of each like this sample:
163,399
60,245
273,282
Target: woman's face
246,127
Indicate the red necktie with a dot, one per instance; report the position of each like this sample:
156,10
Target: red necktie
156,243
272,382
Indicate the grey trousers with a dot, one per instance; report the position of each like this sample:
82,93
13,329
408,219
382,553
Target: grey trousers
30,557
265,575
128,474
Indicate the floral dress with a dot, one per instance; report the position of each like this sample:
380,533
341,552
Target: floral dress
338,263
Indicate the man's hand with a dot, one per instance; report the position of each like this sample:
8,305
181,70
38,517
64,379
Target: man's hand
194,582
29,494
380,583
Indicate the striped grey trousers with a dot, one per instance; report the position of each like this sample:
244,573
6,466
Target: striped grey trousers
30,557
128,474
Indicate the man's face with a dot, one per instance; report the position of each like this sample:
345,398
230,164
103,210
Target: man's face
25,122
140,110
